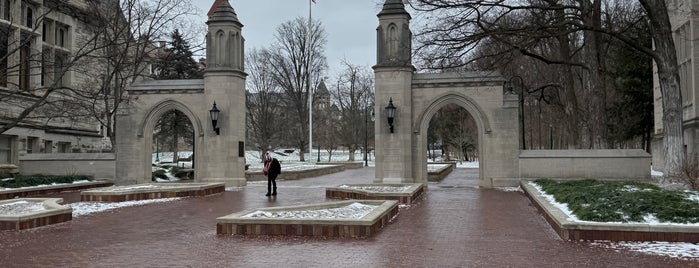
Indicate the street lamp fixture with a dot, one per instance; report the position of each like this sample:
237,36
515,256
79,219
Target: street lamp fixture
390,114
510,90
214,112
366,135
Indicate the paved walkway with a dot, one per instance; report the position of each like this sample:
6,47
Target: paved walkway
456,225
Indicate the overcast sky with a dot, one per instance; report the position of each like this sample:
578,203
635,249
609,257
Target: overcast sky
349,24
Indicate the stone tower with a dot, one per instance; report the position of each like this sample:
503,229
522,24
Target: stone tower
393,74
224,81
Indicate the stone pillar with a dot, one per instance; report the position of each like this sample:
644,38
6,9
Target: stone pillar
393,75
224,83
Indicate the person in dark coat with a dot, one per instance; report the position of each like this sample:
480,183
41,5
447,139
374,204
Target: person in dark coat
273,170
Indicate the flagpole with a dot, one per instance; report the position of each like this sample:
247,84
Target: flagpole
308,85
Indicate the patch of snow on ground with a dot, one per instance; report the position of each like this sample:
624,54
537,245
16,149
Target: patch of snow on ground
351,211
670,249
381,189
691,195
562,206
85,208
127,188
20,207
42,185
510,189
435,167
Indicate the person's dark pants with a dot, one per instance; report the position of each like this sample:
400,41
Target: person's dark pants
272,185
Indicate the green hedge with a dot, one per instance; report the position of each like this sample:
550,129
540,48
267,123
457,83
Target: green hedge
18,181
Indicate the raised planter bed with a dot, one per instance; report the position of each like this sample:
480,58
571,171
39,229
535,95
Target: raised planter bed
440,173
405,193
570,230
296,174
242,223
26,213
50,189
151,191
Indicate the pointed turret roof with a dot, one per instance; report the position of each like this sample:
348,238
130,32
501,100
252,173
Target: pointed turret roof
393,7
222,10
322,90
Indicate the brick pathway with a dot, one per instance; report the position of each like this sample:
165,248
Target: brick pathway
456,225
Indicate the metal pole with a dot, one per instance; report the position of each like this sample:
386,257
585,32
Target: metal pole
521,107
308,84
366,137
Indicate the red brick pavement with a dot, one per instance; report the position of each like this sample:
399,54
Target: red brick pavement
456,225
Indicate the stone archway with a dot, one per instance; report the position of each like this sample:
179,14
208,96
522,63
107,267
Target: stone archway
401,155
147,127
423,120
220,154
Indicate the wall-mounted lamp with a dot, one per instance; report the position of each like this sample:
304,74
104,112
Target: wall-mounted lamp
214,117
390,114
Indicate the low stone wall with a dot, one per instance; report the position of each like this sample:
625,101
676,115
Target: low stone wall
98,165
591,231
51,189
585,164
441,173
347,165
296,174
52,214
151,191
372,223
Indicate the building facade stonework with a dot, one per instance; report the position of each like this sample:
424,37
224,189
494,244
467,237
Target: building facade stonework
684,19
37,39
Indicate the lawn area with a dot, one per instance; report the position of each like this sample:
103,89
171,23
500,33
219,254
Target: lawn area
605,201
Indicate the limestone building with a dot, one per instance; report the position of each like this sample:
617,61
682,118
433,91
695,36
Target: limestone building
37,41
684,18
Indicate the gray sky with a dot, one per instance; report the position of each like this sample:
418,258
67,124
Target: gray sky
350,25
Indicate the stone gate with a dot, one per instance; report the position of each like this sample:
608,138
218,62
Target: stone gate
219,155
401,155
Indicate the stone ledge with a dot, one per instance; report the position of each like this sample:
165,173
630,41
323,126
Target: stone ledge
235,224
441,173
569,230
413,194
53,213
164,190
297,174
51,189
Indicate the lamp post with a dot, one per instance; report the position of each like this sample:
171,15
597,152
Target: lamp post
521,104
390,114
366,135
214,112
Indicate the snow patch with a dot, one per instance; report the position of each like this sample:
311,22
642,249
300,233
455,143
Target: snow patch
351,211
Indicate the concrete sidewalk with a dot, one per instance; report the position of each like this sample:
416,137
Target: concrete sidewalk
455,225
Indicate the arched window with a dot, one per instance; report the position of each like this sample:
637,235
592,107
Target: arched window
30,17
393,41
220,57
6,9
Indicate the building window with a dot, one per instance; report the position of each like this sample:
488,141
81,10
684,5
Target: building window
48,147
24,65
3,60
64,147
59,69
32,144
5,9
28,15
5,150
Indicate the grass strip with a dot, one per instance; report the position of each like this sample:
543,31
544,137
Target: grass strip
18,181
613,201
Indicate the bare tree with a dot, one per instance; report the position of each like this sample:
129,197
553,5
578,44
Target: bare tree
353,94
264,112
459,27
297,63
126,38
